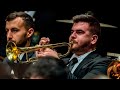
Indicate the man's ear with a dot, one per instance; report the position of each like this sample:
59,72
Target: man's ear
30,32
94,39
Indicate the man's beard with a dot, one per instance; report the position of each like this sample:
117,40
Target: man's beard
81,48
22,44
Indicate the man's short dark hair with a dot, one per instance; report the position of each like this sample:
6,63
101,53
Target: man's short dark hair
93,22
28,20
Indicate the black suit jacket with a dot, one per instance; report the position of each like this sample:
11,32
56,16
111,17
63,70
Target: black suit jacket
91,66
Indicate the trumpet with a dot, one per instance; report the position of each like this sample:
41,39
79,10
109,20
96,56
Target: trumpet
13,52
113,70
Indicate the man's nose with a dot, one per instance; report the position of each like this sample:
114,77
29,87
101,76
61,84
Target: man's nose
73,35
9,35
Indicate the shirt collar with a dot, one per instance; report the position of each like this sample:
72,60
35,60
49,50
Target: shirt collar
81,56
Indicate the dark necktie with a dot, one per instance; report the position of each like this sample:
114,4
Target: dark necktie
72,63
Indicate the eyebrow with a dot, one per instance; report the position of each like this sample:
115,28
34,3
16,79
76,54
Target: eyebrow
77,30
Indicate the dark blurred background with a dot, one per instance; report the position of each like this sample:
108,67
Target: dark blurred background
47,14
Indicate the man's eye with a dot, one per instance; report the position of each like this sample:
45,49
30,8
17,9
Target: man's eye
78,32
6,31
71,31
14,30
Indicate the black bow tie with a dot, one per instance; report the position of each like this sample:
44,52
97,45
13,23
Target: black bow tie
74,61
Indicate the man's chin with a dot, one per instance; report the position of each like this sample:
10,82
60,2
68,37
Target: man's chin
73,48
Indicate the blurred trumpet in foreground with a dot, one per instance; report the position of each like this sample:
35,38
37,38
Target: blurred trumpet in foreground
13,52
113,70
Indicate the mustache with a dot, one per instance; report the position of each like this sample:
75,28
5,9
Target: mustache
11,41
73,41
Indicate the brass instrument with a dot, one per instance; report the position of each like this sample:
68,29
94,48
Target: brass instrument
113,70
13,52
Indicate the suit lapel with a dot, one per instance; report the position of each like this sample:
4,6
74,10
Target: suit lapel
85,61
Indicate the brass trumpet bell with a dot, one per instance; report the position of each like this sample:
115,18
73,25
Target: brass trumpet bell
13,52
113,70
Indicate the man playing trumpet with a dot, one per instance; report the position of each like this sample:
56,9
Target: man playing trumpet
88,64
